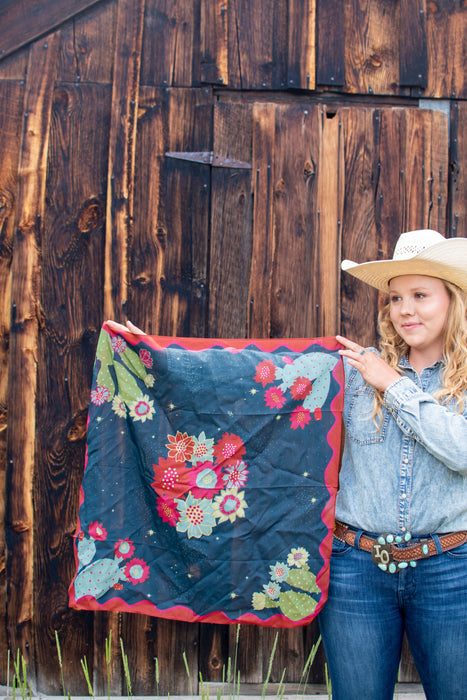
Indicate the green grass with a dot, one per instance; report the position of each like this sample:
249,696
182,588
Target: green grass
229,689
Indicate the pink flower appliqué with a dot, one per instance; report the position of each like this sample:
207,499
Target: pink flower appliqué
124,549
299,417
97,531
265,372
136,571
118,345
145,357
274,397
167,509
100,395
301,388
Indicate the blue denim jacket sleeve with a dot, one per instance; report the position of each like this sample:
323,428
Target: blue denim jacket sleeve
441,431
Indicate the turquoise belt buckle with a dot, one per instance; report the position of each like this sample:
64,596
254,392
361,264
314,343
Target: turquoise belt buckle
382,553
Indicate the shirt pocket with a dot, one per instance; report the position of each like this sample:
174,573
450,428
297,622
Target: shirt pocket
359,423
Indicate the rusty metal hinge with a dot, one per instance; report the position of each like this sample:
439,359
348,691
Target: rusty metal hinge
208,158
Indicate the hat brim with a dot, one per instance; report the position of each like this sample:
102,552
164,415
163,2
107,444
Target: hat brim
446,260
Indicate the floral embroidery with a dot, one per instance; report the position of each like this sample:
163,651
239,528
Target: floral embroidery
229,449
180,446
274,397
97,531
297,557
301,388
300,417
118,406
124,548
142,409
279,571
118,345
197,516
100,395
291,587
265,372
203,450
205,480
146,358
305,379
167,509
236,475
229,505
170,478
136,571
149,380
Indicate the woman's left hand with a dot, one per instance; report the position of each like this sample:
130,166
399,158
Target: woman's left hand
374,370
129,326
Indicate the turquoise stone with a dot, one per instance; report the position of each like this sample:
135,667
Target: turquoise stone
407,536
390,538
383,567
425,549
402,565
413,564
398,539
381,540
392,568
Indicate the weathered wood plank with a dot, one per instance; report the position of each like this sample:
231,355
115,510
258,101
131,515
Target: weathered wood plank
372,47
331,43
295,214
458,171
413,60
11,111
88,45
72,253
231,224
171,43
262,258
446,26
169,246
257,48
214,41
301,70
122,153
14,66
22,374
23,21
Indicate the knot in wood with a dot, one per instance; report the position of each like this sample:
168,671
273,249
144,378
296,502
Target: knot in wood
90,216
280,188
309,169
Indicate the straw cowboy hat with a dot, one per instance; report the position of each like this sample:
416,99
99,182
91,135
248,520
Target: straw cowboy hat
423,252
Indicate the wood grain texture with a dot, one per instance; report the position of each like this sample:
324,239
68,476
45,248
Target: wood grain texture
446,26
301,45
413,60
23,21
231,224
88,45
171,43
11,112
331,43
119,214
22,374
257,48
71,315
458,171
372,47
214,41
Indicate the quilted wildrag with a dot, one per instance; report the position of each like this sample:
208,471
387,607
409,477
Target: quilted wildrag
210,478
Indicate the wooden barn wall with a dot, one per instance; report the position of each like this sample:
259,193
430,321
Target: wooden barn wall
328,129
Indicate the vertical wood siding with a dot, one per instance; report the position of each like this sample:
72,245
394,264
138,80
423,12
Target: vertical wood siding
320,151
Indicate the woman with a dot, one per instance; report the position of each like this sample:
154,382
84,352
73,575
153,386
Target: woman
403,482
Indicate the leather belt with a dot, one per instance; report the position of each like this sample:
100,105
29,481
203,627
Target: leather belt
389,556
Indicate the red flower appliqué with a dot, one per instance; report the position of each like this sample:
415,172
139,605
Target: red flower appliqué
274,397
301,388
300,417
205,480
181,446
97,531
124,548
170,479
265,372
229,449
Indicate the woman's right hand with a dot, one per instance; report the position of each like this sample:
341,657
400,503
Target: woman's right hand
119,328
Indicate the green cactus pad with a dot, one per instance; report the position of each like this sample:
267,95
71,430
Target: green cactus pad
296,606
305,580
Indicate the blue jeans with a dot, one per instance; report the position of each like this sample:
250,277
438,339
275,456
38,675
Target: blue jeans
367,612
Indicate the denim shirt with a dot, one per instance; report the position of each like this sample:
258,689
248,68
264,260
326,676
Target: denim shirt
411,475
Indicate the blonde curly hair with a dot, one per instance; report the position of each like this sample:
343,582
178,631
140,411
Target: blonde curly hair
454,376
